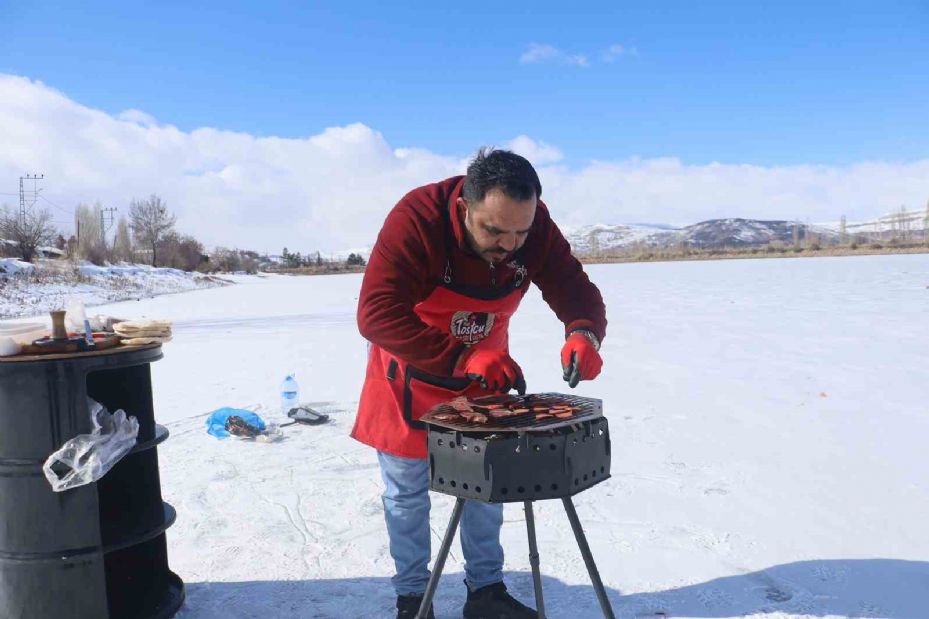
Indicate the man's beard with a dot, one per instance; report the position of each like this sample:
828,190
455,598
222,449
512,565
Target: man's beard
496,255
493,254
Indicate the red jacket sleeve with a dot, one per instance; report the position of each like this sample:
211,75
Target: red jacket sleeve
565,286
398,276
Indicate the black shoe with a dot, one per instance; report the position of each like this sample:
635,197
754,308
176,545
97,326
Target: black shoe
408,606
493,602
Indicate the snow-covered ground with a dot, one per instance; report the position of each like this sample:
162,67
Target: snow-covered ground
768,421
30,290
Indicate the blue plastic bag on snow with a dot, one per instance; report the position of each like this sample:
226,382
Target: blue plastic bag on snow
216,422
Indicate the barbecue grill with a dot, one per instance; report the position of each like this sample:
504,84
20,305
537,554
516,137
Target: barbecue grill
522,457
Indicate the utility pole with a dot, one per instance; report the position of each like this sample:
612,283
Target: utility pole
106,222
22,195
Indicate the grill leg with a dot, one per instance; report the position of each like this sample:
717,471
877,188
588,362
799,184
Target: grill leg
440,560
534,559
588,558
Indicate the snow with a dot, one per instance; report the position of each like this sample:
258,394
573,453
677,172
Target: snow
12,266
30,290
50,252
620,235
91,270
768,423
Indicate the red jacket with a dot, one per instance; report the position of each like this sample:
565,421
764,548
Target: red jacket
409,258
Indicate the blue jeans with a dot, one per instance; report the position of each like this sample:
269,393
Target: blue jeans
406,509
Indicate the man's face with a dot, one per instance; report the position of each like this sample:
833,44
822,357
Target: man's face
497,225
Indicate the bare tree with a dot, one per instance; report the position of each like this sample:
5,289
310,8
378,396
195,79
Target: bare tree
180,251
150,222
28,233
904,223
232,260
926,224
122,244
594,244
90,245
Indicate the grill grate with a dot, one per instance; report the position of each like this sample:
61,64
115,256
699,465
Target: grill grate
588,409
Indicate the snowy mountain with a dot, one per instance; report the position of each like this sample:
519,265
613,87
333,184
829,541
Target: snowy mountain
599,237
732,232
739,232
744,232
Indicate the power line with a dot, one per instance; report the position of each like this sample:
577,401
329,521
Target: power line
60,208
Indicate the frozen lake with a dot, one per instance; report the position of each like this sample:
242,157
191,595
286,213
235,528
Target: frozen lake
768,420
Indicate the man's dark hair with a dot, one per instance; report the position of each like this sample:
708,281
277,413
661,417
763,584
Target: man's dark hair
492,169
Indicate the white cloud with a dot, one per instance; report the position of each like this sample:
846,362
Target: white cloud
332,190
539,153
616,51
668,191
138,117
328,191
538,53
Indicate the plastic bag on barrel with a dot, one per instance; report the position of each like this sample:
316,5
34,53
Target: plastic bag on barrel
88,457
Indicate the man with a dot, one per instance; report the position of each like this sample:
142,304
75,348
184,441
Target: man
449,268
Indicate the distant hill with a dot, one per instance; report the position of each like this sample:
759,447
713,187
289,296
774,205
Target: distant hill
732,232
735,233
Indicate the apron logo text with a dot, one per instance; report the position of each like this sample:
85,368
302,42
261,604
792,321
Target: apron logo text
471,327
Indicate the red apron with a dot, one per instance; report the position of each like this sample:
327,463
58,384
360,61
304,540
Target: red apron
395,394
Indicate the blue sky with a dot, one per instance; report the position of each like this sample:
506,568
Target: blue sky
740,82
300,125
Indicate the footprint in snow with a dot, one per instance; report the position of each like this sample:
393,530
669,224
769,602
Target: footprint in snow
773,594
372,506
714,597
869,610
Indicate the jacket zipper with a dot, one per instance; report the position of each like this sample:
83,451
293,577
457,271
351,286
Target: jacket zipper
493,275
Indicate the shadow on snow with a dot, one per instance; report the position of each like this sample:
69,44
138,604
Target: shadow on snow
867,588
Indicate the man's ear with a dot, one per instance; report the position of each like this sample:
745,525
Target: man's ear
462,207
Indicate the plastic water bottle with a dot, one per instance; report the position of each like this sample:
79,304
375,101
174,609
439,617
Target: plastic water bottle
290,394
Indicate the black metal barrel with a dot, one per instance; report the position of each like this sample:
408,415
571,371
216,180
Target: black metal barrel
97,551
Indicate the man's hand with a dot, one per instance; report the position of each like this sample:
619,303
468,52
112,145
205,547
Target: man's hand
580,359
495,370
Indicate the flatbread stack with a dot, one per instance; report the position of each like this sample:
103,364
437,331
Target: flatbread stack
139,332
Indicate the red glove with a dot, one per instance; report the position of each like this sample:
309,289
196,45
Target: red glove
580,359
495,370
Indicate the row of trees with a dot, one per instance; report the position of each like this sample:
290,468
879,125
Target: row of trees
148,230
901,225
315,260
297,260
147,235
